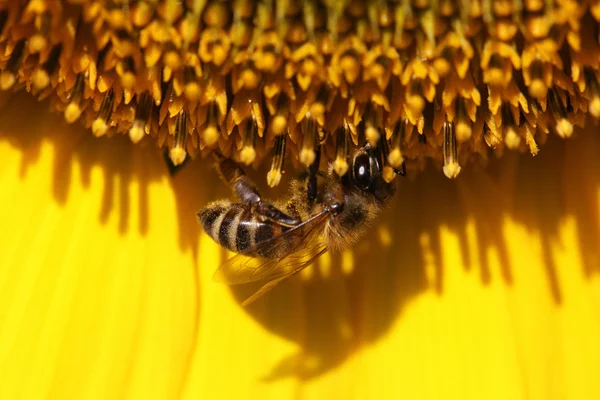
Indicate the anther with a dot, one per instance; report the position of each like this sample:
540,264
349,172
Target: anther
495,71
372,133
414,98
280,119
388,172
511,137
563,126
142,114
100,124
8,75
443,64
39,41
210,134
350,66
537,87
451,167
463,124
340,164
126,71
309,142
41,76
177,153
73,109
275,174
319,107
249,78
191,90
248,152
172,62
395,158
594,92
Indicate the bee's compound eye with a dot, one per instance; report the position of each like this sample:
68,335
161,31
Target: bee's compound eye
361,171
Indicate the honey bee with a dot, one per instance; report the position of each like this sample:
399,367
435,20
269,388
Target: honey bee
275,241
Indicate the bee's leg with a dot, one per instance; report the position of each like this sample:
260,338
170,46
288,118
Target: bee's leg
311,181
233,174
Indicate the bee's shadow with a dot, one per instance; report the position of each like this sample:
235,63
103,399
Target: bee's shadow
330,315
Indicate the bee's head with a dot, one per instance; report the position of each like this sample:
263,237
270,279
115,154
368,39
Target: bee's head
366,173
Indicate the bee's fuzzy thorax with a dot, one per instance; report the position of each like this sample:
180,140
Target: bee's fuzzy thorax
435,80
343,231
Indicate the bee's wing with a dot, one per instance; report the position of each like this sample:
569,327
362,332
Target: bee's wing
293,264
245,268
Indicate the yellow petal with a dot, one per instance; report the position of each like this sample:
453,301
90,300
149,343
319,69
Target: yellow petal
97,275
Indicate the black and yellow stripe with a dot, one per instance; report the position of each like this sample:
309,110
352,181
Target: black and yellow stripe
235,227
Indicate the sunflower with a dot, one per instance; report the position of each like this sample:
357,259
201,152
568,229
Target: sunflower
485,286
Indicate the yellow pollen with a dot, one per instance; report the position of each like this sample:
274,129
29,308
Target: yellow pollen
40,79
99,127
317,110
340,167
210,135
442,66
172,60
279,124
247,155
128,80
72,113
451,170
564,128
594,107
372,135
538,89
37,43
463,132
250,79
415,103
388,174
136,132
274,177
512,139
192,92
177,155
307,156
495,77
7,79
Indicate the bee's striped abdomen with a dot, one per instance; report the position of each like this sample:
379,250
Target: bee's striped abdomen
236,228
